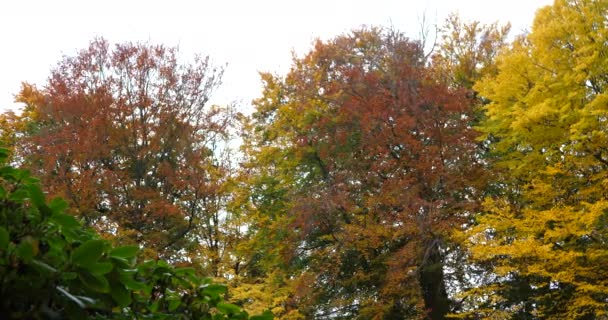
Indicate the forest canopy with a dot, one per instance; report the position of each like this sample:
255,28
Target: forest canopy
379,178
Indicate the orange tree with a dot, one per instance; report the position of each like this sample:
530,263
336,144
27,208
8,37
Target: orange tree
125,135
361,164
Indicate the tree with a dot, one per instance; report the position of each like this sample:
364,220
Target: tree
260,195
544,229
126,136
53,268
467,51
363,164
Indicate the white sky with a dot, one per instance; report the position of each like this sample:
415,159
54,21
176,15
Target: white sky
249,35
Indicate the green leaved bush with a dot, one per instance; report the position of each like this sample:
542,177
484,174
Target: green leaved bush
51,267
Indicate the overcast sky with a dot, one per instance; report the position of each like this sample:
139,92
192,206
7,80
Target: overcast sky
250,36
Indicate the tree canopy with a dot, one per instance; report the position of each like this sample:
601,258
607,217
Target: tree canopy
374,180
125,135
364,162
544,230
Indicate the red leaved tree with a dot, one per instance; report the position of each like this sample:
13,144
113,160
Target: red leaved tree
379,164
126,135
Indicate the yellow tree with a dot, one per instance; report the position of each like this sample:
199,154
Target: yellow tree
13,127
467,50
544,229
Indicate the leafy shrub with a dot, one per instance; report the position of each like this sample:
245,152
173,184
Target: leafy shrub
53,268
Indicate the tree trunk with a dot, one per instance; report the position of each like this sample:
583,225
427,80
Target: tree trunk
432,283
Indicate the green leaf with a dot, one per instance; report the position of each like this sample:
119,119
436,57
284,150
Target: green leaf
184,271
163,264
182,282
100,268
33,214
4,153
57,244
148,264
69,275
213,290
88,253
65,221
120,262
121,295
228,308
8,173
42,266
187,276
24,175
70,234
126,278
125,252
86,299
4,238
96,283
36,195
174,304
71,297
267,315
58,205
154,306
26,249
18,195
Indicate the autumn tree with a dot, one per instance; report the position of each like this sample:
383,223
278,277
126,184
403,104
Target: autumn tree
544,230
126,135
466,51
363,163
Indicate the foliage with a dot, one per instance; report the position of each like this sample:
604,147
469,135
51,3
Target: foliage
467,51
361,165
53,268
377,182
544,232
125,135
263,279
